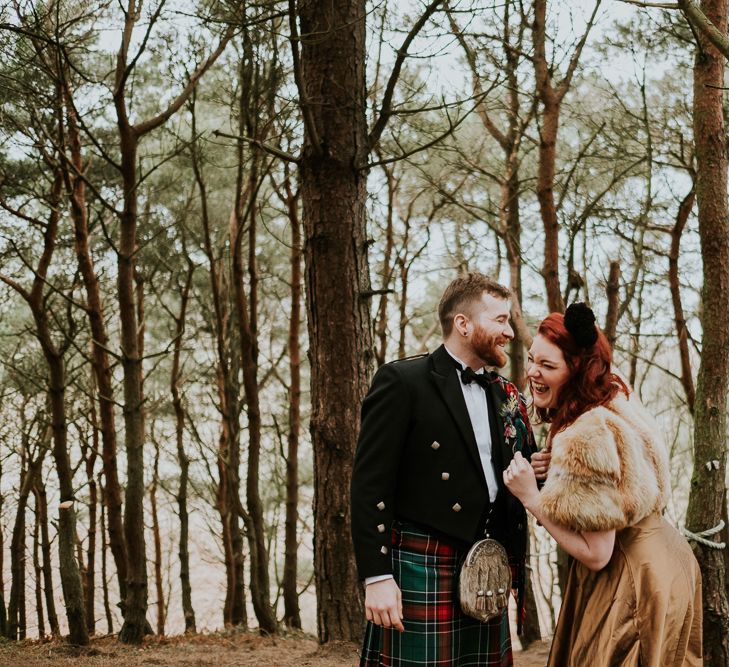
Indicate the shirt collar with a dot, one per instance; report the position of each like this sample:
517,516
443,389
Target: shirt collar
461,362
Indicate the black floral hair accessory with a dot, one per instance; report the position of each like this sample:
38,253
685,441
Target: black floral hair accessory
579,320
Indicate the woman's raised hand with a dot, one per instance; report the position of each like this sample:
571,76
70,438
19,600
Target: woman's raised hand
520,480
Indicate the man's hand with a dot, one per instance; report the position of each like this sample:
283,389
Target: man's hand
540,464
383,604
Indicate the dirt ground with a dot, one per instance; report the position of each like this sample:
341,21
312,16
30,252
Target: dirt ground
218,650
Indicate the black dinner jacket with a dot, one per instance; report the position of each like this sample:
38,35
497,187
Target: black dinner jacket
417,460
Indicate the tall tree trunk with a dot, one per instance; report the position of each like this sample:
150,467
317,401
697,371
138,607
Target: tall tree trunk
331,82
687,381
135,606
135,624
292,613
707,500
227,372
509,140
551,95
246,311
100,362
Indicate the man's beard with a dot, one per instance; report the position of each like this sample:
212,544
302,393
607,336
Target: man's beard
486,348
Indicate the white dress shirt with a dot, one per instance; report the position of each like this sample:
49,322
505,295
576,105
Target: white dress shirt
478,410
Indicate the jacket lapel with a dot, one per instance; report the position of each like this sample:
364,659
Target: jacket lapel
501,453
446,379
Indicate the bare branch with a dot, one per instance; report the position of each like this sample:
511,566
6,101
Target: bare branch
452,127
494,131
701,22
651,5
272,150
152,123
402,53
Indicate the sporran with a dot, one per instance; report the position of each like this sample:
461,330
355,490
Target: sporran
485,581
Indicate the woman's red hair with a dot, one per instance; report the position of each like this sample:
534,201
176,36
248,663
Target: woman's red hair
591,381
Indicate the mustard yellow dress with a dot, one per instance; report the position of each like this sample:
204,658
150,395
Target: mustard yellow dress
609,471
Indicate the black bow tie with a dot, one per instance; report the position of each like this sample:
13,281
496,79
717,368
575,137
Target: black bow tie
481,379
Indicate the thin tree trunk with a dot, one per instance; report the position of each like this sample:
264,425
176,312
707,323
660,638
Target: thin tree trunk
69,567
42,508
613,300
227,371
247,318
687,380
387,269
292,613
16,602
252,117
157,546
331,82
3,612
707,500
38,570
104,575
89,455
182,458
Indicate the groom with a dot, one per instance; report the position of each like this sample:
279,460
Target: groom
437,432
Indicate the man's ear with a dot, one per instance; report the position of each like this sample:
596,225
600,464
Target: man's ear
462,324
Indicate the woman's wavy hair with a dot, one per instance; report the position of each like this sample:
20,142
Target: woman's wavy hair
591,381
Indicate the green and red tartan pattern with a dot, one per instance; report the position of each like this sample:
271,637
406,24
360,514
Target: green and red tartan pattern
437,633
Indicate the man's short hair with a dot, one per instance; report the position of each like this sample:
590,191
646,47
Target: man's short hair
462,293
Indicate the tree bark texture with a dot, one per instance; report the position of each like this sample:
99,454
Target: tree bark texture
333,186
707,500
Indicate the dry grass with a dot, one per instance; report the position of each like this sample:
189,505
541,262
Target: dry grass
219,650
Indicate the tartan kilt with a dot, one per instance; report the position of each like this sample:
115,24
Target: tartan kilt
437,632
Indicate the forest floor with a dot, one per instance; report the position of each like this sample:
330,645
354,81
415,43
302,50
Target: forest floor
218,650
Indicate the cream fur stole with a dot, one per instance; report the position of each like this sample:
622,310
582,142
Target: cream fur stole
609,469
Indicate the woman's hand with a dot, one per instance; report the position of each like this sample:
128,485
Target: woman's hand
520,480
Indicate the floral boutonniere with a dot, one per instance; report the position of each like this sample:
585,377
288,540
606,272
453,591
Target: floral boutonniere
509,411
